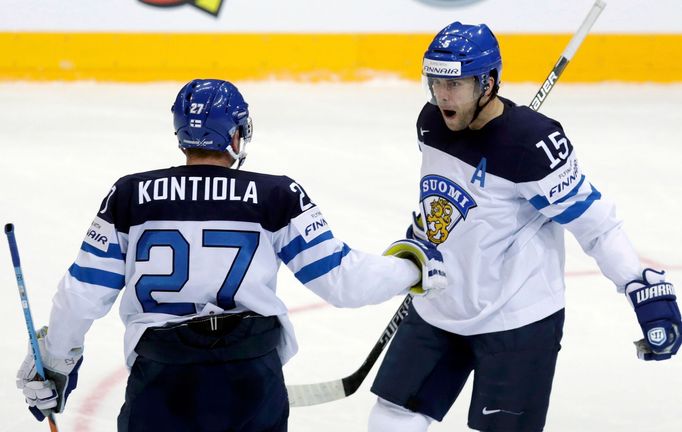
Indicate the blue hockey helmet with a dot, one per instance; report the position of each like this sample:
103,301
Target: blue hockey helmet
206,115
462,50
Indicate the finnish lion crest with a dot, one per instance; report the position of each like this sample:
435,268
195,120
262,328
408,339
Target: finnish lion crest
438,221
445,203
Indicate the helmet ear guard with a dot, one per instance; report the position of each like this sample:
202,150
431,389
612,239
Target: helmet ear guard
484,82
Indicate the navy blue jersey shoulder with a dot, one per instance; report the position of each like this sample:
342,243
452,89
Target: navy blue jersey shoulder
510,143
203,193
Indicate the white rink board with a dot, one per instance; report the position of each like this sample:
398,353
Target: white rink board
353,148
304,16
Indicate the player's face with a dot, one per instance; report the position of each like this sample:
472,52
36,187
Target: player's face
457,99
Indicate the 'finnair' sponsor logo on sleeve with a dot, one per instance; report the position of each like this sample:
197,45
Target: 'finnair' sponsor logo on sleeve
100,234
310,224
562,181
442,68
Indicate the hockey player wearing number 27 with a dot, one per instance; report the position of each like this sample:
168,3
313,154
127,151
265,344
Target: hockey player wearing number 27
195,251
500,184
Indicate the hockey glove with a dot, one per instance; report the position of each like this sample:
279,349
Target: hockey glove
61,377
416,230
427,258
658,314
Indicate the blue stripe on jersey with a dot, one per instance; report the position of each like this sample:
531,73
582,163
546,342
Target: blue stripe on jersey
114,251
578,208
321,266
299,244
540,202
97,277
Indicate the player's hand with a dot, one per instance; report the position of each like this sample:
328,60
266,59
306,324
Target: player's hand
61,378
427,258
658,314
416,230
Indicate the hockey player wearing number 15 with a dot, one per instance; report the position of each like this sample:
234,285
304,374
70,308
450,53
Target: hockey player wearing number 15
195,251
500,184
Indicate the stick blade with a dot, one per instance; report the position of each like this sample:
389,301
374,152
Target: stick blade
314,394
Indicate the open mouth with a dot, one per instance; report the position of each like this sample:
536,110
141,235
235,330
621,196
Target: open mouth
449,113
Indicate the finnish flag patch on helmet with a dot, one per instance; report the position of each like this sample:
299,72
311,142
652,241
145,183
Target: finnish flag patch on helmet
441,68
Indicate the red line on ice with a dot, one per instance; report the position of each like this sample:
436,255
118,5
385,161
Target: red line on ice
93,401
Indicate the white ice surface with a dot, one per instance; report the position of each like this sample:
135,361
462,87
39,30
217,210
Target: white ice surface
353,148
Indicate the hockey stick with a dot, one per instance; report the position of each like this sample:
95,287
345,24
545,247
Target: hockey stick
40,371
567,55
313,394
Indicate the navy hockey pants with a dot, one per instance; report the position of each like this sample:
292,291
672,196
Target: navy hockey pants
199,378
426,368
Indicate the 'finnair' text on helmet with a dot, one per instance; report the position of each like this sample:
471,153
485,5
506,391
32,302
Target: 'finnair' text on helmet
473,48
442,68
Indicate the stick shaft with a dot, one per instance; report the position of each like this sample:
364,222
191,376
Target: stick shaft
317,393
567,54
584,29
16,262
352,382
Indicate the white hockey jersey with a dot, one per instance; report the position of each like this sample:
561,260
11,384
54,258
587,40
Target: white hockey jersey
496,201
191,240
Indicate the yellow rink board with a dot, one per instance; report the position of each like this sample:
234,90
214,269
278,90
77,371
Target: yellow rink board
137,57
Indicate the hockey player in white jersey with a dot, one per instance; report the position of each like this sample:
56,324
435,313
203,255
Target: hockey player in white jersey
499,185
194,251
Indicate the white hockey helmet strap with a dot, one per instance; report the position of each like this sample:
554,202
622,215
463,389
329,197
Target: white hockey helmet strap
240,155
